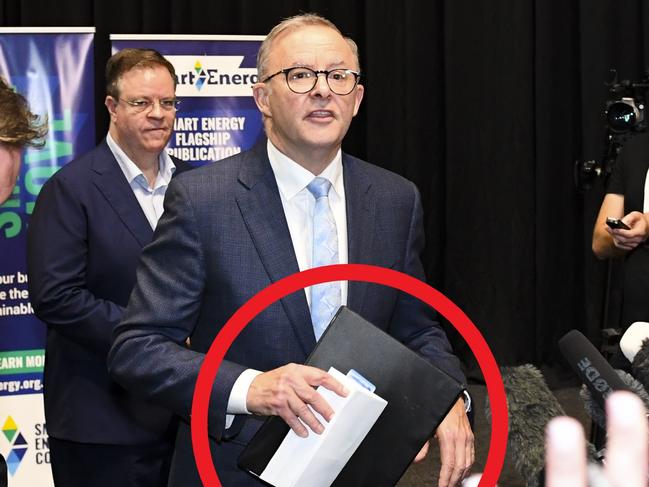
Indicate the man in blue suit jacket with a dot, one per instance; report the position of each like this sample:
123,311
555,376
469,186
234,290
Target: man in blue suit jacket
232,228
90,223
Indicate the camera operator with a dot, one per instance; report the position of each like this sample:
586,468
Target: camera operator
627,199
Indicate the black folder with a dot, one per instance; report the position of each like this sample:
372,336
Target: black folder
419,396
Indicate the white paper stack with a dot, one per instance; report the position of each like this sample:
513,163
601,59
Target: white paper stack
317,460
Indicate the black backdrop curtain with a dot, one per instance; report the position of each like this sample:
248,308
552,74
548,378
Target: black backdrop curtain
485,105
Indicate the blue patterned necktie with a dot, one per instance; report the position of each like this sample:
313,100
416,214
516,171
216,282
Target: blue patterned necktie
325,298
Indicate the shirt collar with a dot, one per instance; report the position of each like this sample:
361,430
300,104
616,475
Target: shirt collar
292,178
131,171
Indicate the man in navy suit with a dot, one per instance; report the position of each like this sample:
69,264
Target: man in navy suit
91,220
232,228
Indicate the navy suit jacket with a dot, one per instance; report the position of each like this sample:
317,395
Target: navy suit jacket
222,238
84,242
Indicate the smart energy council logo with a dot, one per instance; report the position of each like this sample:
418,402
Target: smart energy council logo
18,445
212,76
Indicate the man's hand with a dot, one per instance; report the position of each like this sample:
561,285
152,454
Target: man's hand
422,453
455,445
637,233
288,391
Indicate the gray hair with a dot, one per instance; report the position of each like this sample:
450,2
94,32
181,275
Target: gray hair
291,24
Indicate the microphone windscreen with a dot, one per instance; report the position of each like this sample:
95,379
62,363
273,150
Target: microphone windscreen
591,367
640,364
632,339
531,405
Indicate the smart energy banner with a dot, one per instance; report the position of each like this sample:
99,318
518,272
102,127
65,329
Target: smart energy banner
53,69
217,116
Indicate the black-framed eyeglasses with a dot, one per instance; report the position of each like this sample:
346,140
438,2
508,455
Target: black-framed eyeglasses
302,80
142,105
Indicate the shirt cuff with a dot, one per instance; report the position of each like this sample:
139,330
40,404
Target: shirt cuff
239,394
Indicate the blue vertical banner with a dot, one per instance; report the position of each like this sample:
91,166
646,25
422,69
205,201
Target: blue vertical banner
54,69
217,116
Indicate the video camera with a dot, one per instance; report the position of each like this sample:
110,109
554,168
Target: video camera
625,111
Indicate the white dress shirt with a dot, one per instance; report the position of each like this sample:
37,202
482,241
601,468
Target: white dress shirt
299,204
150,198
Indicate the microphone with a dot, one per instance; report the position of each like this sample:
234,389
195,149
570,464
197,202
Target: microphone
531,406
592,368
635,347
631,341
596,413
640,364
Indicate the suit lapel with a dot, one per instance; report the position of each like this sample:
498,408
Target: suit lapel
361,221
261,208
112,184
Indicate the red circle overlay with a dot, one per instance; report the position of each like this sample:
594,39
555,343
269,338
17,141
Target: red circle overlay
349,272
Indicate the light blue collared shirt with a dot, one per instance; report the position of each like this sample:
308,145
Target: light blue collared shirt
150,198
